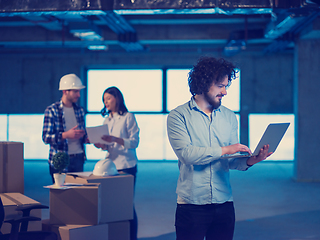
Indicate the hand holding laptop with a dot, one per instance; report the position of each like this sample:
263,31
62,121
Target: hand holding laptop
263,154
268,142
252,159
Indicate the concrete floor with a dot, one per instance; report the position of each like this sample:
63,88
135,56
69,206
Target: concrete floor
269,204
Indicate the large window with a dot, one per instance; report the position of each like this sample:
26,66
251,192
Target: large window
27,129
142,89
177,88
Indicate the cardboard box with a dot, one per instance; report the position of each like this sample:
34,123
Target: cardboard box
77,232
116,194
115,230
10,202
78,205
81,232
119,230
11,167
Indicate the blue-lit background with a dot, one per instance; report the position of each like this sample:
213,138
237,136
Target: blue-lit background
146,96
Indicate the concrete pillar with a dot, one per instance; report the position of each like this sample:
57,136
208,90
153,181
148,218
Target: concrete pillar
307,110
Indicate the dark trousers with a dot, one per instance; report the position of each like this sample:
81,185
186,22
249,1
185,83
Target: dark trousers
213,221
134,221
75,165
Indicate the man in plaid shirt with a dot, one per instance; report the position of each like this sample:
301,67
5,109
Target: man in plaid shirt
64,127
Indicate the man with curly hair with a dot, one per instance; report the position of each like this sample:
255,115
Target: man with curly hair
201,131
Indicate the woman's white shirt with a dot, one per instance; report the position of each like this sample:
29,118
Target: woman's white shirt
124,126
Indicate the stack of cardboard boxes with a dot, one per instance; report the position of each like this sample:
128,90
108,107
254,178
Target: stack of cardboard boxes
12,185
93,208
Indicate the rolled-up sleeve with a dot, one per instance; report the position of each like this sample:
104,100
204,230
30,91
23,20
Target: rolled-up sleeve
239,164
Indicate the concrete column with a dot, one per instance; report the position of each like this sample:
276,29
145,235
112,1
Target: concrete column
307,110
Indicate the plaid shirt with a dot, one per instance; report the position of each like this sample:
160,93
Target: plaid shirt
54,125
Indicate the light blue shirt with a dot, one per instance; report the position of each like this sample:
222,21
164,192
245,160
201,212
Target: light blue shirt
197,142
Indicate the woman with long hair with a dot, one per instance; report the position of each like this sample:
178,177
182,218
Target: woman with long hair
123,139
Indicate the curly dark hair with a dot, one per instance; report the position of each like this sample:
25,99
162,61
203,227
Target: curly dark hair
119,98
209,70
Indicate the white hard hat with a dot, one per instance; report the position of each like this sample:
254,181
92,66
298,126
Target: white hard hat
105,167
70,81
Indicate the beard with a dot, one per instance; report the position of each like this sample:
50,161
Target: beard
215,103
72,99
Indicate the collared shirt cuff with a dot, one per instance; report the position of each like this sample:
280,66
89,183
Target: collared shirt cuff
243,166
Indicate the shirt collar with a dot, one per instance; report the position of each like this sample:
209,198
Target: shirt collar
194,105
61,104
114,116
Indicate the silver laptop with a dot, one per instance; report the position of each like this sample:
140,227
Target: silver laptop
272,136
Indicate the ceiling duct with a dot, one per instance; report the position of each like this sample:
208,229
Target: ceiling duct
47,21
238,40
288,34
283,24
74,14
312,2
192,6
85,30
127,35
116,23
86,18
